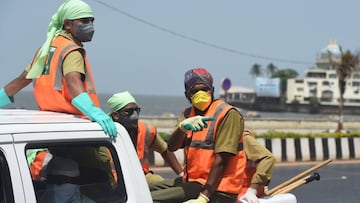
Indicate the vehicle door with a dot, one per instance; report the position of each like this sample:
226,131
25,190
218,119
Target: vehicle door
11,188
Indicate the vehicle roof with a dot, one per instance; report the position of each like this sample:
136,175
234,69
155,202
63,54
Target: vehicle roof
23,121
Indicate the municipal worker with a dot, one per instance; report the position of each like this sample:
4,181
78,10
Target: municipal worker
124,109
61,182
60,69
259,169
210,132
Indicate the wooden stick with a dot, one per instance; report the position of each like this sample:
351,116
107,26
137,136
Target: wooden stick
314,176
291,186
297,177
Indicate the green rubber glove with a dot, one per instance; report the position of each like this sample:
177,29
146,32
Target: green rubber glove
196,123
85,105
4,98
201,199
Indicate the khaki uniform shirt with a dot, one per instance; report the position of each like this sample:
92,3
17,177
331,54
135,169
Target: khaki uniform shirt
159,145
260,155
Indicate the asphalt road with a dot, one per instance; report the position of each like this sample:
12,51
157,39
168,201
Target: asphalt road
339,181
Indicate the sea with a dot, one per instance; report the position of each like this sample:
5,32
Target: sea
172,106
151,105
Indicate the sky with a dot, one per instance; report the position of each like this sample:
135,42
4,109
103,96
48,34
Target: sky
145,47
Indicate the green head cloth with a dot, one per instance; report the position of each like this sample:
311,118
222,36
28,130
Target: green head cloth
70,9
31,154
119,100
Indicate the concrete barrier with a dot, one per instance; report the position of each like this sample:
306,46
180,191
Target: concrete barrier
299,149
258,125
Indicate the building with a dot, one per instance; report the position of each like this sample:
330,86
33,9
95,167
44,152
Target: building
239,96
321,82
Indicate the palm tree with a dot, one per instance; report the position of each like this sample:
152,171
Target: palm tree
256,70
344,66
284,75
271,69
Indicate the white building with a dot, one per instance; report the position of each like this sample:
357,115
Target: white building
322,82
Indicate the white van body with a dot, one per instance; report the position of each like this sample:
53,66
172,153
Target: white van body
21,130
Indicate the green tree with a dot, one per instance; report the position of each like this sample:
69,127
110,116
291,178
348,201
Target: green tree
256,70
284,75
271,69
345,66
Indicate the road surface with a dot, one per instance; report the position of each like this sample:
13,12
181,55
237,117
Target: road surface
339,181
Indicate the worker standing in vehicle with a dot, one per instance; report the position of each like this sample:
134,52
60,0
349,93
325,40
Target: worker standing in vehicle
125,110
63,79
60,70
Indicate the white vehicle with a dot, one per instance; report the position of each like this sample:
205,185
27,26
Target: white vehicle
109,167
28,132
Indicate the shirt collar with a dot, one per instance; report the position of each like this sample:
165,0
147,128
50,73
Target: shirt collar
69,36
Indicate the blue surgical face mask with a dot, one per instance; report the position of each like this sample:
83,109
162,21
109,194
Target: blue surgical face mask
85,32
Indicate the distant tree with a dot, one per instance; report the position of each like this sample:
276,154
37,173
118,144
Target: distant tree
344,66
314,105
256,70
284,75
271,69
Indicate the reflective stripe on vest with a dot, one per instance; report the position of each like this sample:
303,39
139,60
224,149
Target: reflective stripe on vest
145,138
208,143
59,72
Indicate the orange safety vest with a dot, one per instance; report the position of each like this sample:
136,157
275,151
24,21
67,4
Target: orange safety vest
250,170
50,89
200,153
42,158
146,136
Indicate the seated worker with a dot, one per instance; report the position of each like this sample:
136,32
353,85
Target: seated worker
61,182
89,158
124,110
39,158
259,168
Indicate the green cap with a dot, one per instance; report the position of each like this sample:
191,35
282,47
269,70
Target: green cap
119,100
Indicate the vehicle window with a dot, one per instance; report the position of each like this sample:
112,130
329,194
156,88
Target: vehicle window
70,172
6,193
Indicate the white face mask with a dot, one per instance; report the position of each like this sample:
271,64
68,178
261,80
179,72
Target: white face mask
64,192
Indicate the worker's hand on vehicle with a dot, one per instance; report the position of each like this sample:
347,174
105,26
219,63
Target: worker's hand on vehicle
196,123
105,122
201,199
85,105
4,98
249,196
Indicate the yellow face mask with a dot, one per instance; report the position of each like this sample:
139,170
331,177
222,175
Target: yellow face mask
201,100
